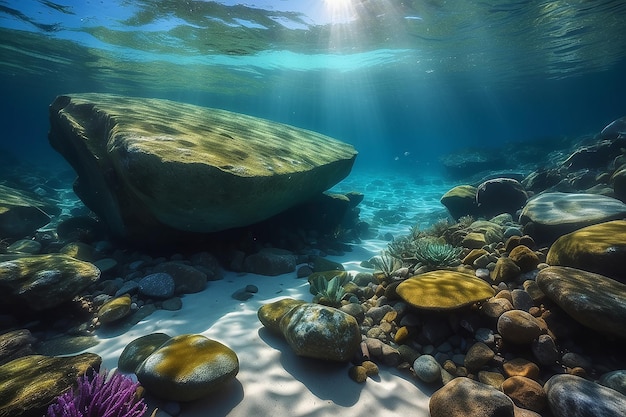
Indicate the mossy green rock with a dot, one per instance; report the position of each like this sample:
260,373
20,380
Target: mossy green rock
443,290
139,349
600,248
150,166
187,367
114,309
460,201
593,300
271,314
44,281
29,384
321,332
22,214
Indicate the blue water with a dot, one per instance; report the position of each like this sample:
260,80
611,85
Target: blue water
403,83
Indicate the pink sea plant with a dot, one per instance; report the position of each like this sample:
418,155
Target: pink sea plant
103,395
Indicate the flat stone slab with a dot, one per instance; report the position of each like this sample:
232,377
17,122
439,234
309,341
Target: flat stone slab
149,163
593,300
548,216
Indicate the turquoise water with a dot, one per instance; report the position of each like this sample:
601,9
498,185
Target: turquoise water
404,82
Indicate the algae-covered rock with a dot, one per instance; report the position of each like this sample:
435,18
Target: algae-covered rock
599,248
29,384
187,367
443,290
114,309
148,166
460,201
44,281
321,332
21,213
271,314
139,349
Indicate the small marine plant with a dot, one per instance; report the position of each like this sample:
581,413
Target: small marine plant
102,395
386,263
329,292
432,254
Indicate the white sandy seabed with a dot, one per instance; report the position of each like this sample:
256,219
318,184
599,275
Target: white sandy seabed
272,380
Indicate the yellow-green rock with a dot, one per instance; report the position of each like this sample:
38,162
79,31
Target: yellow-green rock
460,201
271,314
443,290
150,166
78,250
114,309
321,332
44,281
600,248
139,349
493,231
22,213
187,367
29,384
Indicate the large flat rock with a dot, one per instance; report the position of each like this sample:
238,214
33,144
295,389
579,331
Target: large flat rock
149,165
549,216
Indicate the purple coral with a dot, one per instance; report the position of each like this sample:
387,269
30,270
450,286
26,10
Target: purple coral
100,396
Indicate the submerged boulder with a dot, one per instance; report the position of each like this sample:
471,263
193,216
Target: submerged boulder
549,216
149,166
43,281
22,214
30,383
591,299
188,367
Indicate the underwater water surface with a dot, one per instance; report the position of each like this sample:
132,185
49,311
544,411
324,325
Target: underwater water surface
403,81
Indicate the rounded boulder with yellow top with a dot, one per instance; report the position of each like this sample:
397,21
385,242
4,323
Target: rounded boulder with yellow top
187,367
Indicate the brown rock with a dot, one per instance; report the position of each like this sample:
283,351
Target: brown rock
525,393
477,356
463,397
519,327
521,367
524,257
505,271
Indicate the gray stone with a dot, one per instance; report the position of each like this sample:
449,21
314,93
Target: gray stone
271,262
548,216
573,396
157,285
427,369
522,300
545,350
593,300
187,279
615,380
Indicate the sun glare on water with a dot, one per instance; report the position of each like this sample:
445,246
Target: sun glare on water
339,11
